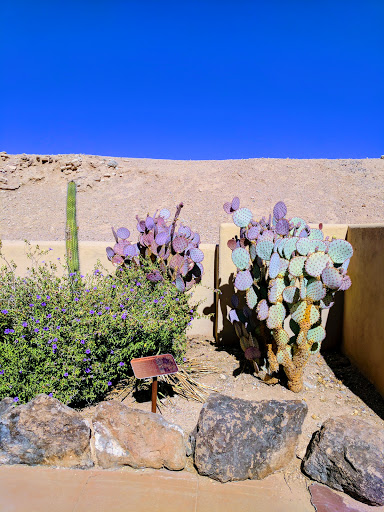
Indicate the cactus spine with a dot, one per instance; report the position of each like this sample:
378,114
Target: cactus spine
72,245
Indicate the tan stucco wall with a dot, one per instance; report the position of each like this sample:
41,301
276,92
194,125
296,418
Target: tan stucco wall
363,327
90,252
331,319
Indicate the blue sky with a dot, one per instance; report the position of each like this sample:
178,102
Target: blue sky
193,79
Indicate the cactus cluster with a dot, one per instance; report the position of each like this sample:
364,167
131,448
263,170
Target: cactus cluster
176,252
71,238
286,274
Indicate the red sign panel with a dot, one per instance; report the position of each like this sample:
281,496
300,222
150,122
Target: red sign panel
153,366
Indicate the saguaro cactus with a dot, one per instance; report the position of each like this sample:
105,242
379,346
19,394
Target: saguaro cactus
72,244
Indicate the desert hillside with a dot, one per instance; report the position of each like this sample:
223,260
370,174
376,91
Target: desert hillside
111,191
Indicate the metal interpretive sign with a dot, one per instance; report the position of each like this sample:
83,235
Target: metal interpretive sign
153,366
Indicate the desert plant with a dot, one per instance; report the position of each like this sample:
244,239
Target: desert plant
71,238
74,336
286,274
176,253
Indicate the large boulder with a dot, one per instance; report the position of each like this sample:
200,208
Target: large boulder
347,454
238,439
43,431
126,436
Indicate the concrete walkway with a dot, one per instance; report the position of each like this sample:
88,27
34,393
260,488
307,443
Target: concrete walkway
41,489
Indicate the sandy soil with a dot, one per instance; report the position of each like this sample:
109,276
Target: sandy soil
113,190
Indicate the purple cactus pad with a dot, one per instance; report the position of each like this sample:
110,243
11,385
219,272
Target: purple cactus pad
123,233
282,227
110,252
149,223
227,208
196,255
235,205
279,210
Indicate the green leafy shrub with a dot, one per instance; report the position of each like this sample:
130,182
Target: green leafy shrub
74,336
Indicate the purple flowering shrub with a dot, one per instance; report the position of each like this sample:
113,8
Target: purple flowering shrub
74,336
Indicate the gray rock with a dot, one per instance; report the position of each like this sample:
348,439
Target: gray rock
238,439
43,431
112,163
347,454
126,436
5,404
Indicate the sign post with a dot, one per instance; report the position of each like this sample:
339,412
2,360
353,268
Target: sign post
154,366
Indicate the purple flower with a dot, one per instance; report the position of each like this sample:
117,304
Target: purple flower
50,394
43,303
54,346
54,339
4,311
58,327
31,305
91,312
36,330
63,310
16,399
87,351
113,286
38,297
87,291
123,316
25,324
20,371
37,321
49,315
107,308
66,374
87,370
155,301
114,316
132,290
76,299
109,383
171,319
112,352
95,288
1,372
121,363
99,313
48,297
82,342
45,328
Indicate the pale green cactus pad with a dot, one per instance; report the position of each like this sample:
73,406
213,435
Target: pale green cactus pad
251,297
304,246
276,288
281,337
316,334
290,246
316,234
291,294
316,263
276,316
240,258
315,290
296,266
264,249
340,250
242,217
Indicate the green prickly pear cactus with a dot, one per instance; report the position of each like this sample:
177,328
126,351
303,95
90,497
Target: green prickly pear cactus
287,273
71,239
